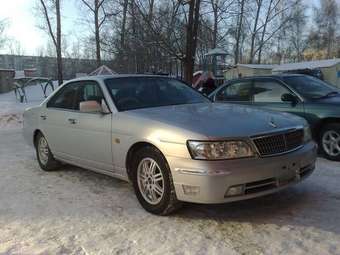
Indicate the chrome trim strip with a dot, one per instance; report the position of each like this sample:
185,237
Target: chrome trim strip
277,132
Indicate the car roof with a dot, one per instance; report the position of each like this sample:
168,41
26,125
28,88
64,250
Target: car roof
104,77
273,76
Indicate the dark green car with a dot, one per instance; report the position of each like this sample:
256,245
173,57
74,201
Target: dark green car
306,96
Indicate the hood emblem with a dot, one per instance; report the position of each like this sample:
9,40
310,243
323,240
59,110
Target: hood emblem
272,123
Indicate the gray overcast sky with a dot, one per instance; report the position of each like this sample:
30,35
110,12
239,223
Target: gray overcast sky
23,23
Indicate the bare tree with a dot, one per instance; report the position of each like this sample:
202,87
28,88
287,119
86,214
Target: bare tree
239,30
191,39
100,15
3,38
15,47
297,27
50,15
326,19
258,6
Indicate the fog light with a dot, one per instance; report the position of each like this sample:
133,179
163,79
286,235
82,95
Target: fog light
191,190
235,191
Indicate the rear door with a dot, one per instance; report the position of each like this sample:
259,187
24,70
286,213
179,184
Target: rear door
267,93
238,92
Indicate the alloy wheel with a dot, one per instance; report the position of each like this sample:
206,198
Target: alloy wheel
43,150
150,181
331,143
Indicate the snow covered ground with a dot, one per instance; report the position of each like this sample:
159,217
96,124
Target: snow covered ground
11,110
75,211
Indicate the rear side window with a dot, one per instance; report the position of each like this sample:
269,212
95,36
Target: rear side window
65,98
239,91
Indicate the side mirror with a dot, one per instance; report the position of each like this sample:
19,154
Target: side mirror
90,106
287,97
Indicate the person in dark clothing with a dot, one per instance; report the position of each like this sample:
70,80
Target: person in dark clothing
208,85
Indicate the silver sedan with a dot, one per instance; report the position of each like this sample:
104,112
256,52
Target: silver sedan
169,141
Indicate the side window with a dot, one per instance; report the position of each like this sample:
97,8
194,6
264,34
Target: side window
239,91
65,98
88,91
269,91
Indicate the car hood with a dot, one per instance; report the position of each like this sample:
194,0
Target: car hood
216,120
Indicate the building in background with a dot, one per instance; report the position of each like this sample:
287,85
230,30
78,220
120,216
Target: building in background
47,66
246,70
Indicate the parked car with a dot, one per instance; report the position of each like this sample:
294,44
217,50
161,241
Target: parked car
305,96
171,142
316,72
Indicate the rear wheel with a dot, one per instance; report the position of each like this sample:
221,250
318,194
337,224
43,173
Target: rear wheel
330,141
152,182
44,155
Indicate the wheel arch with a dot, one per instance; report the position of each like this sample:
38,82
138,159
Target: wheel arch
322,123
35,134
133,149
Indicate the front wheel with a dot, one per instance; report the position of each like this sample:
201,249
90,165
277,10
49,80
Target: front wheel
44,155
330,141
152,182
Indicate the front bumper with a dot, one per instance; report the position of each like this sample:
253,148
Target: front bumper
208,182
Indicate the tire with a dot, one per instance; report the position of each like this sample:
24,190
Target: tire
45,157
151,199
329,141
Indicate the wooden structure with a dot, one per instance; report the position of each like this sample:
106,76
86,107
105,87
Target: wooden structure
6,79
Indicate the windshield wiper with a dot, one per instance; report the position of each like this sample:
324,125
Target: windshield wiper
333,93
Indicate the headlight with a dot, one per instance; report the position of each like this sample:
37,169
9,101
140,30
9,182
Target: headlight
307,134
219,150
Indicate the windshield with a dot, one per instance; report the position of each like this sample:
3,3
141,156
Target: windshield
310,87
131,93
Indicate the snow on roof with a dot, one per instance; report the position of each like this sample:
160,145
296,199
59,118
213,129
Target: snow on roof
308,65
216,51
258,66
102,70
6,70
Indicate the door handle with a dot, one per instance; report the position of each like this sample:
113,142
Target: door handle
43,117
72,121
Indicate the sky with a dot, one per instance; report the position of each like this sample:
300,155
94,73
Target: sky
22,23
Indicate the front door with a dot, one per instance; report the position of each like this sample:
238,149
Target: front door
84,138
55,121
91,132
267,93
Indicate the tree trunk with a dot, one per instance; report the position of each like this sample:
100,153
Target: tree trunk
264,32
122,35
58,46
97,32
191,39
238,33
254,32
214,7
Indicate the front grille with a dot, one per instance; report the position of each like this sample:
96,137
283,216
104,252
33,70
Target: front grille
279,143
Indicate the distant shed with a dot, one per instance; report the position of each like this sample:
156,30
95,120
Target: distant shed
246,70
329,67
6,80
